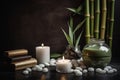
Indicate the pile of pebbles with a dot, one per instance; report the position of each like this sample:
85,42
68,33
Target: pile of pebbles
40,67
78,71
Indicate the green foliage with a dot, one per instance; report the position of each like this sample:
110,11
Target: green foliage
71,36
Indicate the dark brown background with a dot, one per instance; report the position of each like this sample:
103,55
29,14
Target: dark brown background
28,23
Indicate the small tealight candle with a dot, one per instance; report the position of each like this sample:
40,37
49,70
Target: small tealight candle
43,53
63,66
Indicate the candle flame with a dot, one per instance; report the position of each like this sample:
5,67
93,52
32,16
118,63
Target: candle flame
63,58
42,44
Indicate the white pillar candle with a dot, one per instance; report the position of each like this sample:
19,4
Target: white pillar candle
42,54
63,66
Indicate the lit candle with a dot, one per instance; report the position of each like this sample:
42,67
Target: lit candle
42,54
63,66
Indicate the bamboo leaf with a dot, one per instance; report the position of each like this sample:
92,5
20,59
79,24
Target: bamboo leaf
78,26
67,37
71,23
79,9
72,10
78,39
70,33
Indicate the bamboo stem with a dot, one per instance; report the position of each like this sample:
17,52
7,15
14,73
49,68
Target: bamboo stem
103,19
97,18
87,22
108,20
111,22
91,18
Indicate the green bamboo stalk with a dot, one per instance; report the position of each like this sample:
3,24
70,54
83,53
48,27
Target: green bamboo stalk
87,22
91,18
103,19
97,18
111,22
108,20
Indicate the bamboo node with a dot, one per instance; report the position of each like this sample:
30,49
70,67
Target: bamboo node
110,38
96,31
87,15
92,17
102,27
97,11
92,0
111,19
104,9
87,36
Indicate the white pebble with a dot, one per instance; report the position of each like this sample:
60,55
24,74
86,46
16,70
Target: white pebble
109,67
75,71
115,70
47,64
52,60
79,68
85,71
52,64
29,69
98,70
39,69
41,65
110,71
78,73
45,69
91,69
102,71
34,68
78,60
106,69
71,70
25,72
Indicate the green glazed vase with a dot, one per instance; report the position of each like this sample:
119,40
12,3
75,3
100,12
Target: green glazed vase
96,54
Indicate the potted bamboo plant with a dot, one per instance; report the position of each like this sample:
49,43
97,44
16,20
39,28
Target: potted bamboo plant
73,49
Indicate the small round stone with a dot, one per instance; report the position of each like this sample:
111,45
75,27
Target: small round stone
41,65
115,70
102,72
71,70
29,69
25,72
52,60
78,73
98,70
85,71
47,64
75,71
52,64
106,69
110,71
78,60
39,69
34,68
45,69
109,67
79,68
91,69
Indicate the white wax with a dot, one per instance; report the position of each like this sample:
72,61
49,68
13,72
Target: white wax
63,66
43,54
